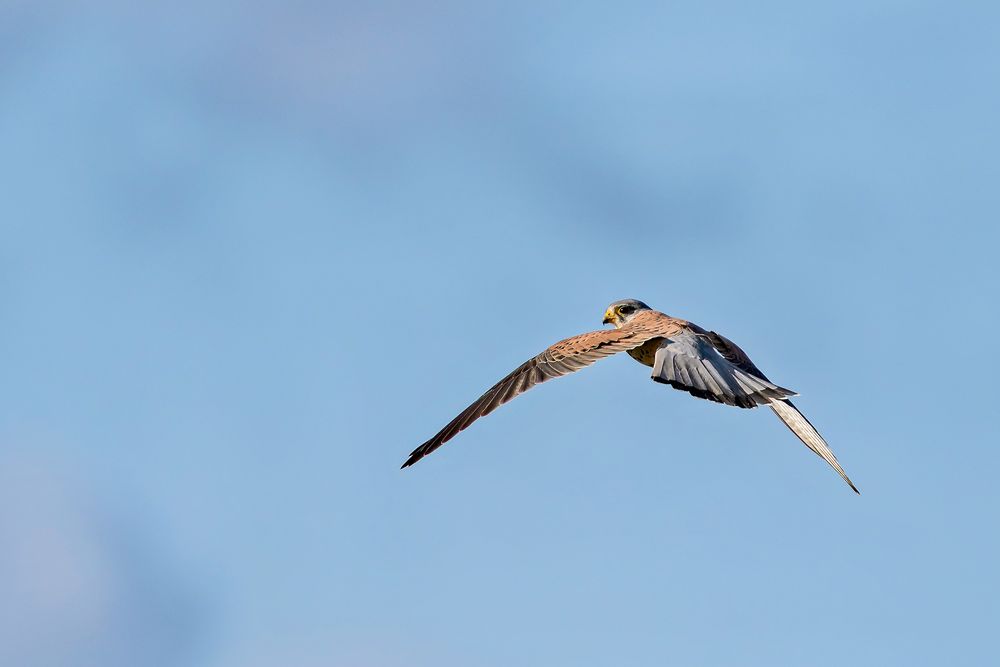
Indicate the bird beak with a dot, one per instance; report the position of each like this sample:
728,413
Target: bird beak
609,317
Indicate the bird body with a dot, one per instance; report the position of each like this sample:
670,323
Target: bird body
645,354
703,363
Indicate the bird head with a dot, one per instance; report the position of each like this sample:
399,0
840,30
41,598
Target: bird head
620,312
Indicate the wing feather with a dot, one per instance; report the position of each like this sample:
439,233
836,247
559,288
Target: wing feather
810,437
686,361
783,408
564,357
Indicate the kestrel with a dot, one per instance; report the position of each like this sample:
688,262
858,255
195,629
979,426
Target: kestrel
682,354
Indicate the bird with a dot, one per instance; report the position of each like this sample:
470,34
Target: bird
703,363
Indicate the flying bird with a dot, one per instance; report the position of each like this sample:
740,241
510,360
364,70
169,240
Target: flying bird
682,354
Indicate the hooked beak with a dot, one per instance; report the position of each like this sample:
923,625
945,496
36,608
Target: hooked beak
609,317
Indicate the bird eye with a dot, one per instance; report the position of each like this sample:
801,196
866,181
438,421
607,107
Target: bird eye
625,309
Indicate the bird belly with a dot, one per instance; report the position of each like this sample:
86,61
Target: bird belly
646,353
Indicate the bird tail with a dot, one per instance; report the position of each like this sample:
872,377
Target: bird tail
808,434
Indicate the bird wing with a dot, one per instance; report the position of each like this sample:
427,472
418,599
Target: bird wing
688,361
785,409
810,437
560,359
732,352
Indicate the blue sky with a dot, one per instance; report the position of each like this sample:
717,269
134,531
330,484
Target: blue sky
255,253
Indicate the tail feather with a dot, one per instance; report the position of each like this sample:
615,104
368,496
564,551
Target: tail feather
808,434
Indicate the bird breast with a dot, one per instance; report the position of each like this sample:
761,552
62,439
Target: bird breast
646,353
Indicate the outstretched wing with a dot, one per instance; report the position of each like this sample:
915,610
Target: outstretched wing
785,409
561,359
732,352
688,361
810,437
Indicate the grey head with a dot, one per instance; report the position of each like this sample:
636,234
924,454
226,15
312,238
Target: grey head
620,312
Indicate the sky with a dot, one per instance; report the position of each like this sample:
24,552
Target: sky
254,253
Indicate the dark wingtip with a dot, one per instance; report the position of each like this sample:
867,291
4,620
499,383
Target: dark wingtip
415,456
855,489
